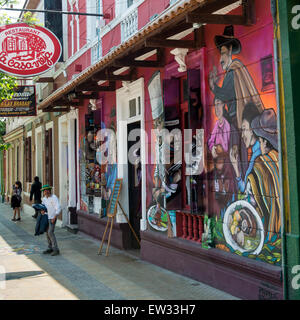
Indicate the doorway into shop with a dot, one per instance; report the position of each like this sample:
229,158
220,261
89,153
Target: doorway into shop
67,166
134,179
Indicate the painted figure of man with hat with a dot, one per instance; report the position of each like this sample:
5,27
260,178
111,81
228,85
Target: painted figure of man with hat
238,88
53,210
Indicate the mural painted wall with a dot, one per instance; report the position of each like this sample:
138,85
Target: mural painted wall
164,177
237,185
97,175
242,171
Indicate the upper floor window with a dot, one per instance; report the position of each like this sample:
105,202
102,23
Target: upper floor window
123,5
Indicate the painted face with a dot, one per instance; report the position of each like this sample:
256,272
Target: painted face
247,133
225,58
219,105
90,136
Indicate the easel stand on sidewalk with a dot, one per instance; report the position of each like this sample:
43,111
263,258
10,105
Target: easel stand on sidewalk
112,211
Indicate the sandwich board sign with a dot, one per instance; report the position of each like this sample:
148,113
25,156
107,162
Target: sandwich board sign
111,214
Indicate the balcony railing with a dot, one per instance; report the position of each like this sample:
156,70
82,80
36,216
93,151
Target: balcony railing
129,25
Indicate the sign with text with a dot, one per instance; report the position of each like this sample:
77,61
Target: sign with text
23,103
27,51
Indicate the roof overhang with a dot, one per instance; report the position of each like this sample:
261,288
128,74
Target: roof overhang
156,35
15,134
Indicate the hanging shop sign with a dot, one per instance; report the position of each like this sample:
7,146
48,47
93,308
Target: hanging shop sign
23,103
27,51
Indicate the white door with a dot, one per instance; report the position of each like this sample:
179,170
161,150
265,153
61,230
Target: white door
63,171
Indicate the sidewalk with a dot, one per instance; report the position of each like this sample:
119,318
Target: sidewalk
79,273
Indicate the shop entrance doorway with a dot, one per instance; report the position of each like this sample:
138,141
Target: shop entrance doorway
134,179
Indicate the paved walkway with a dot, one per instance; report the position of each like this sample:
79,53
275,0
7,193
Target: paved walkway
79,273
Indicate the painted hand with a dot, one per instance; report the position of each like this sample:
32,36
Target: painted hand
214,152
234,160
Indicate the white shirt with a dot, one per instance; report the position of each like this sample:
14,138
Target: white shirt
53,206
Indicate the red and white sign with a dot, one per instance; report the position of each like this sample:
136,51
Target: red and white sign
27,51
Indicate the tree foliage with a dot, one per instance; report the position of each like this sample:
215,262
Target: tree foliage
3,146
8,82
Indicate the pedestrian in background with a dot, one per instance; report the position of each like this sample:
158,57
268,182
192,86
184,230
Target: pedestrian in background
16,200
36,194
53,210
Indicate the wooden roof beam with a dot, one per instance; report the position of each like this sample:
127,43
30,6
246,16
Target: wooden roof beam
80,95
44,80
52,108
140,52
247,18
216,19
64,103
94,87
164,43
111,77
131,62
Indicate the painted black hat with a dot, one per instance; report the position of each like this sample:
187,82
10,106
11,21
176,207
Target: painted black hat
265,126
228,39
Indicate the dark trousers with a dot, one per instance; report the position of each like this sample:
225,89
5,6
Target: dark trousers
52,243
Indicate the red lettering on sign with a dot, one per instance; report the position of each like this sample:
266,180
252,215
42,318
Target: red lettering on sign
27,51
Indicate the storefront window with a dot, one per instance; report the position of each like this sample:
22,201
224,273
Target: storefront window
93,169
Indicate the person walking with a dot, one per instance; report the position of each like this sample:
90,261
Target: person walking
16,200
53,210
36,194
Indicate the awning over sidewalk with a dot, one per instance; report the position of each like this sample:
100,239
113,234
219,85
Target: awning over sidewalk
190,14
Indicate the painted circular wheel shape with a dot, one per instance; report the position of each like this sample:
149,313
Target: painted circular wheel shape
27,51
160,224
236,229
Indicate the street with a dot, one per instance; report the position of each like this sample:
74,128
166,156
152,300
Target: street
78,273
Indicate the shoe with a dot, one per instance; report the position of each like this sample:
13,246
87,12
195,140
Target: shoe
47,251
55,253
13,219
19,219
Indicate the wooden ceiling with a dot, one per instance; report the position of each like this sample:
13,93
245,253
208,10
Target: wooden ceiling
157,40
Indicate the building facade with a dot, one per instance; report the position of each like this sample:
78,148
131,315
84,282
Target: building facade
181,100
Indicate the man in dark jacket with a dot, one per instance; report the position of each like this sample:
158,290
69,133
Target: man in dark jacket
35,193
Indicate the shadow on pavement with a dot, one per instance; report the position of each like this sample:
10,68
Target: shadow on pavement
20,275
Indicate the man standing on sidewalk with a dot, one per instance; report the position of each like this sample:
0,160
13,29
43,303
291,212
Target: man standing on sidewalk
53,209
35,193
